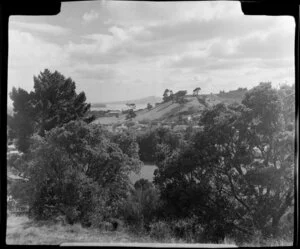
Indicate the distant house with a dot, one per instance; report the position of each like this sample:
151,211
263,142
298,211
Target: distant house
197,128
197,115
180,128
113,113
121,128
188,118
109,127
139,127
11,149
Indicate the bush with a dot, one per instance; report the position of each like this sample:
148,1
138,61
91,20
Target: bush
76,172
161,230
188,229
142,206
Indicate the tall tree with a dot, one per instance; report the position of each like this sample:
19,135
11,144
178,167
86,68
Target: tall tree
196,91
179,96
149,106
53,102
166,95
77,171
244,159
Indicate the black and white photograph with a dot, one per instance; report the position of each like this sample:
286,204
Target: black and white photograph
151,123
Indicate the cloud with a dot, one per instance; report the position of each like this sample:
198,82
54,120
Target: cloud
151,13
28,55
95,72
90,16
41,27
27,50
274,45
138,48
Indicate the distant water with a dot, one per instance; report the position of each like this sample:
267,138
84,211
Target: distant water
147,172
117,107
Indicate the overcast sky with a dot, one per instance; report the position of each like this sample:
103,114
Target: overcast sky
127,50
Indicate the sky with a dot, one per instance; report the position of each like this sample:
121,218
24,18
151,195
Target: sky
123,50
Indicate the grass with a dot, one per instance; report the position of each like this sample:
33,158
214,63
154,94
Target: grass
23,231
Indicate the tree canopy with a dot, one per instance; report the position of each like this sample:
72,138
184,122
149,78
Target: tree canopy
53,102
76,170
242,163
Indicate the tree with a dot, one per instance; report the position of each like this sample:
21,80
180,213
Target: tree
53,102
242,163
22,123
131,114
131,105
149,106
78,172
166,95
179,97
196,91
150,141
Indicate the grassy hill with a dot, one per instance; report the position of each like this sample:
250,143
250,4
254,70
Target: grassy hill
170,110
162,111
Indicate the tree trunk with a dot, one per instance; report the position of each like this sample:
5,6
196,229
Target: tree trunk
275,226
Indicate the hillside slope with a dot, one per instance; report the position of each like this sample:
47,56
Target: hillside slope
171,111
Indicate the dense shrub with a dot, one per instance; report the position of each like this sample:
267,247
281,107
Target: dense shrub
152,138
161,230
76,171
142,205
188,229
236,176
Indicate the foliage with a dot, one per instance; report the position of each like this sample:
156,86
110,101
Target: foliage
53,102
150,140
76,171
142,205
131,114
178,97
160,230
237,175
196,91
149,106
166,95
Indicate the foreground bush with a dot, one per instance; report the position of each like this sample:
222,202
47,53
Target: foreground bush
76,171
236,175
161,230
141,206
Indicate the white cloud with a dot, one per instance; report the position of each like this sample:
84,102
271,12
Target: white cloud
40,27
90,16
28,56
140,48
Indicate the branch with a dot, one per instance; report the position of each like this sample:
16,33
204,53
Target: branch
235,195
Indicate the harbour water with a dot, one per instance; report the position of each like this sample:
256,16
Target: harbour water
116,107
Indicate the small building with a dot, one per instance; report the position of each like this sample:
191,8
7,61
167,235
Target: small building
198,128
180,127
113,113
121,128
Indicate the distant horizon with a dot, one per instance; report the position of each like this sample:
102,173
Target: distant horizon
10,105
